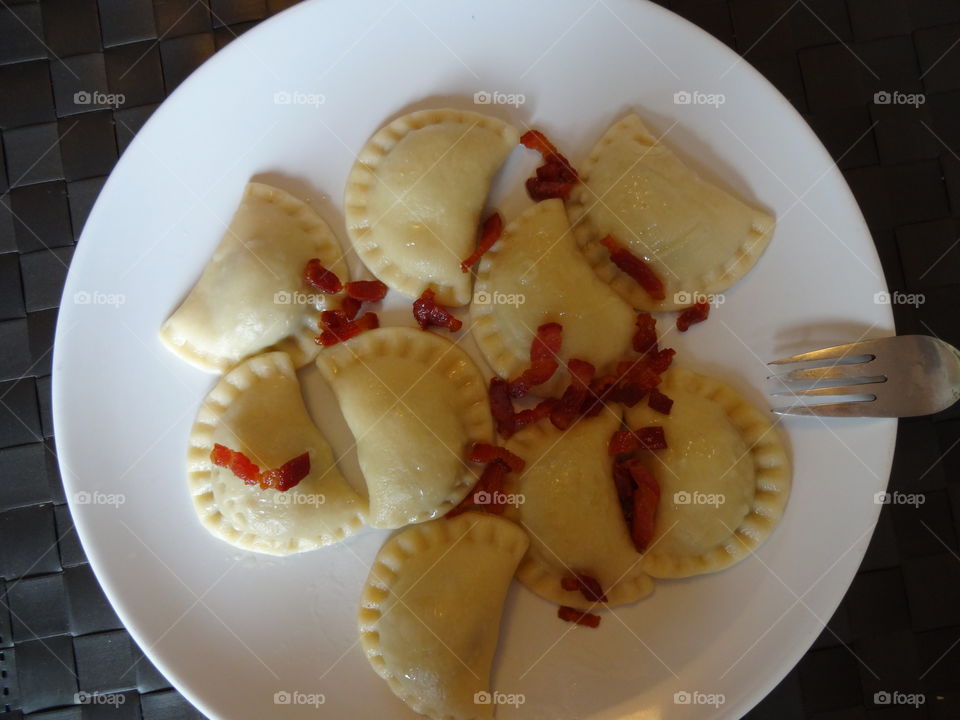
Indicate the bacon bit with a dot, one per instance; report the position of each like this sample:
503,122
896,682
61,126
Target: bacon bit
588,586
317,276
333,334
600,389
568,408
580,618
661,360
556,177
488,238
535,414
651,438
659,402
635,268
694,314
333,319
428,312
543,359
645,338
491,483
646,498
621,442
283,478
484,453
350,307
629,441
366,290
623,481
501,407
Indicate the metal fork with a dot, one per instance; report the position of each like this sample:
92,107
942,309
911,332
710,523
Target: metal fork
900,376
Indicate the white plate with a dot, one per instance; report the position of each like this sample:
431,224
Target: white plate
230,628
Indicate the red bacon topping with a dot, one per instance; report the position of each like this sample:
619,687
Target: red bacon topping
366,290
588,586
645,338
317,276
696,313
568,409
501,407
580,618
488,238
635,268
336,328
428,312
659,402
543,359
487,494
283,478
484,453
556,177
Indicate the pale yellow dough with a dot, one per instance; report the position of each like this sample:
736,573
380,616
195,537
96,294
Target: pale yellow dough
571,512
698,238
536,274
724,479
414,197
257,409
430,611
415,403
252,296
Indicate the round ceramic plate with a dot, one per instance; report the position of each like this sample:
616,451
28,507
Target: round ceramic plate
291,102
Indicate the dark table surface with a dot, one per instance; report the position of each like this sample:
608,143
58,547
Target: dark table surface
897,630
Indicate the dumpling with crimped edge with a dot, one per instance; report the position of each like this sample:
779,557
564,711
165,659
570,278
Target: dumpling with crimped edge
536,274
257,409
696,237
724,478
567,501
252,296
415,403
414,197
430,611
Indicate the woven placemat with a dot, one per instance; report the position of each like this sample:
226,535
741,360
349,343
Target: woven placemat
879,82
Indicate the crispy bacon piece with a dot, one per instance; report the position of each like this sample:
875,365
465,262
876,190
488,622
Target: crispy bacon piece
317,276
646,497
580,618
283,478
660,361
622,442
333,334
651,437
366,290
535,414
333,319
636,268
556,177
501,407
350,307
600,390
629,441
659,402
696,313
567,410
484,453
490,483
489,235
645,338
428,312
588,586
543,359
287,475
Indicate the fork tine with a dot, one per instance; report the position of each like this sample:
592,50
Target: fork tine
830,353
832,372
861,389
854,408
